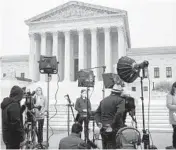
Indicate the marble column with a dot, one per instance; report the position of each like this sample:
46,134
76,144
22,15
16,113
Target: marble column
49,44
94,52
67,73
37,58
81,51
31,56
108,50
43,43
43,77
55,53
61,59
121,42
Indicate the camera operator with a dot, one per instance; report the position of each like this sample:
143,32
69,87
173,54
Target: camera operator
12,128
109,116
40,108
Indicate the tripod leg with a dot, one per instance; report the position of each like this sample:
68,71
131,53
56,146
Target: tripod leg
93,131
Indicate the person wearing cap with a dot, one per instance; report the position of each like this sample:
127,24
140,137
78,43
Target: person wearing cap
81,107
171,105
109,116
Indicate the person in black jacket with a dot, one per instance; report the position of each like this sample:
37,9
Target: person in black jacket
73,141
109,117
12,128
81,107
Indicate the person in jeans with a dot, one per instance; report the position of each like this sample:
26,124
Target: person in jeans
171,105
40,102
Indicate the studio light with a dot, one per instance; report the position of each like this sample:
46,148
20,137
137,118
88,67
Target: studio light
86,78
48,65
129,70
110,79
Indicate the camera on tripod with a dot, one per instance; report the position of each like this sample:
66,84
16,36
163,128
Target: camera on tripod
29,99
29,104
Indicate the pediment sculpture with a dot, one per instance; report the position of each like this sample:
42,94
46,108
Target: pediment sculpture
74,11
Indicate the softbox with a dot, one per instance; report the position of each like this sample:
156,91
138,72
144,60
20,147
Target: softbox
127,69
110,79
48,65
85,78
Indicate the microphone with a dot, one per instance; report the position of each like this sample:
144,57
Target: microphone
68,98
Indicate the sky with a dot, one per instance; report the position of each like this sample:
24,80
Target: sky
152,23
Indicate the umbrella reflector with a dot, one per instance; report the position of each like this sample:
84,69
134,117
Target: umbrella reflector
126,70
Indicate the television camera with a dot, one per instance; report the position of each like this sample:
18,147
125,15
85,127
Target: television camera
30,119
129,108
29,103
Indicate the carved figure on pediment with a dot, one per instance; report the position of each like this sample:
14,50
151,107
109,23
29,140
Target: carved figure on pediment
74,11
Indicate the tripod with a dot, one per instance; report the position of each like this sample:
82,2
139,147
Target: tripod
145,138
30,130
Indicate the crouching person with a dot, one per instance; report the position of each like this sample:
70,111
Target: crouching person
12,128
73,141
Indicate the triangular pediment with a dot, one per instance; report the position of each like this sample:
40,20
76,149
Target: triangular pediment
73,10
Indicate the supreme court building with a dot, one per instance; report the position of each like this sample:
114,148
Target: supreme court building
81,35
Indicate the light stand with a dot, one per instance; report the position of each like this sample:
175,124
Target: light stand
48,65
145,138
87,119
129,71
47,133
87,140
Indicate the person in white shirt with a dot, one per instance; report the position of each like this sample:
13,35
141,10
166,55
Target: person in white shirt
40,102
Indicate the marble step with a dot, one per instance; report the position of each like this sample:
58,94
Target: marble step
159,119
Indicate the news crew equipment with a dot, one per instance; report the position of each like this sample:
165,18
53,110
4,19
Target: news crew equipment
129,71
48,65
86,78
110,79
